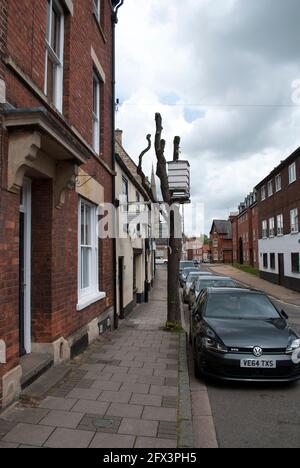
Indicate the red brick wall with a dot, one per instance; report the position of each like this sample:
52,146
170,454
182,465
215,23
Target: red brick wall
54,232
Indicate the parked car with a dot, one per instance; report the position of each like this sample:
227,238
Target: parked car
185,264
161,261
185,272
208,281
239,335
191,279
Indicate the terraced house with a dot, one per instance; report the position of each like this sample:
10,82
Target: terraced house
279,207
56,167
135,244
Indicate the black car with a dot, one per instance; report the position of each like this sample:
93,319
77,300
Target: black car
239,335
204,282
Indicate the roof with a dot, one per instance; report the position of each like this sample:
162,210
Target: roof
131,169
230,290
289,160
223,227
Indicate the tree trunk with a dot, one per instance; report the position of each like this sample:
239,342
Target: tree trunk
175,244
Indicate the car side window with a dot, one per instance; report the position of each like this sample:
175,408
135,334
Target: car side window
200,304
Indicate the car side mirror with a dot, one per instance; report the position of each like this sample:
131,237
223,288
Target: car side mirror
284,315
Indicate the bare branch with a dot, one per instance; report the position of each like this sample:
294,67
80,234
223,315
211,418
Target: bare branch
140,170
161,170
176,148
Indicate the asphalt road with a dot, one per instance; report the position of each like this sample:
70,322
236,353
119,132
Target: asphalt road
258,415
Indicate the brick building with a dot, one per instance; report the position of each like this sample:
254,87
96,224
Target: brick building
245,232
57,165
221,241
279,237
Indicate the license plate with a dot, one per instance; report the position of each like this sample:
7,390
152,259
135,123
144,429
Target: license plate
259,363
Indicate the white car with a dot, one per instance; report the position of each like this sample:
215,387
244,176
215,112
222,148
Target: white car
161,261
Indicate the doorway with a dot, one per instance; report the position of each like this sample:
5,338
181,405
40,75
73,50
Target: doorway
241,250
25,269
121,288
281,269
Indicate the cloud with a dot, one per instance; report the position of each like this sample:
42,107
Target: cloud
221,74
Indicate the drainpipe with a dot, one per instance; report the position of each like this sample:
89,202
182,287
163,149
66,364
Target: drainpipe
116,5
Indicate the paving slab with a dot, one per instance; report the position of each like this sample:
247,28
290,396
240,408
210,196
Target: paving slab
139,427
25,415
64,404
29,434
155,443
84,394
112,441
66,419
69,438
115,397
125,411
146,400
160,414
92,407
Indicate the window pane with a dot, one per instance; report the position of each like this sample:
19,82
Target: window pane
50,79
88,231
82,214
55,31
85,267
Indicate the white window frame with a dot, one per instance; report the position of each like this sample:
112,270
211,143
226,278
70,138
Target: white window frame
280,225
97,9
265,229
270,188
294,221
58,60
278,183
91,294
263,193
96,115
272,227
292,173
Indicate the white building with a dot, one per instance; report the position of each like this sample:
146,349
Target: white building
279,207
135,247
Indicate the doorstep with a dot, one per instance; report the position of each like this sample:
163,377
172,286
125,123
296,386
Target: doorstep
33,366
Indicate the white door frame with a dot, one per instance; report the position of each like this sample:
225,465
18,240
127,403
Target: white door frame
26,209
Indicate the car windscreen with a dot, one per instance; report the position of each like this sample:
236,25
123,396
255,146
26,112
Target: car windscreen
235,305
187,271
210,283
184,265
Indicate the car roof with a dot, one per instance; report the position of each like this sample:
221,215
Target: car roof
236,290
216,278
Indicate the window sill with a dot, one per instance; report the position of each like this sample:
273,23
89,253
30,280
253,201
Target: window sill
294,233
89,300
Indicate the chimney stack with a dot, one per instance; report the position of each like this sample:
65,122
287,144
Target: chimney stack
119,136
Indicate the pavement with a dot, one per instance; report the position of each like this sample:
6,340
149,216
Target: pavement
127,390
204,431
278,292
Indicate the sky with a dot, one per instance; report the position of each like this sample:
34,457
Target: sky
225,75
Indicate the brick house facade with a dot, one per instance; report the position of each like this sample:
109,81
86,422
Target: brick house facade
245,232
279,237
56,167
221,241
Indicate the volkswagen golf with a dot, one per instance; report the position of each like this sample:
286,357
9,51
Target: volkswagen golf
239,335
